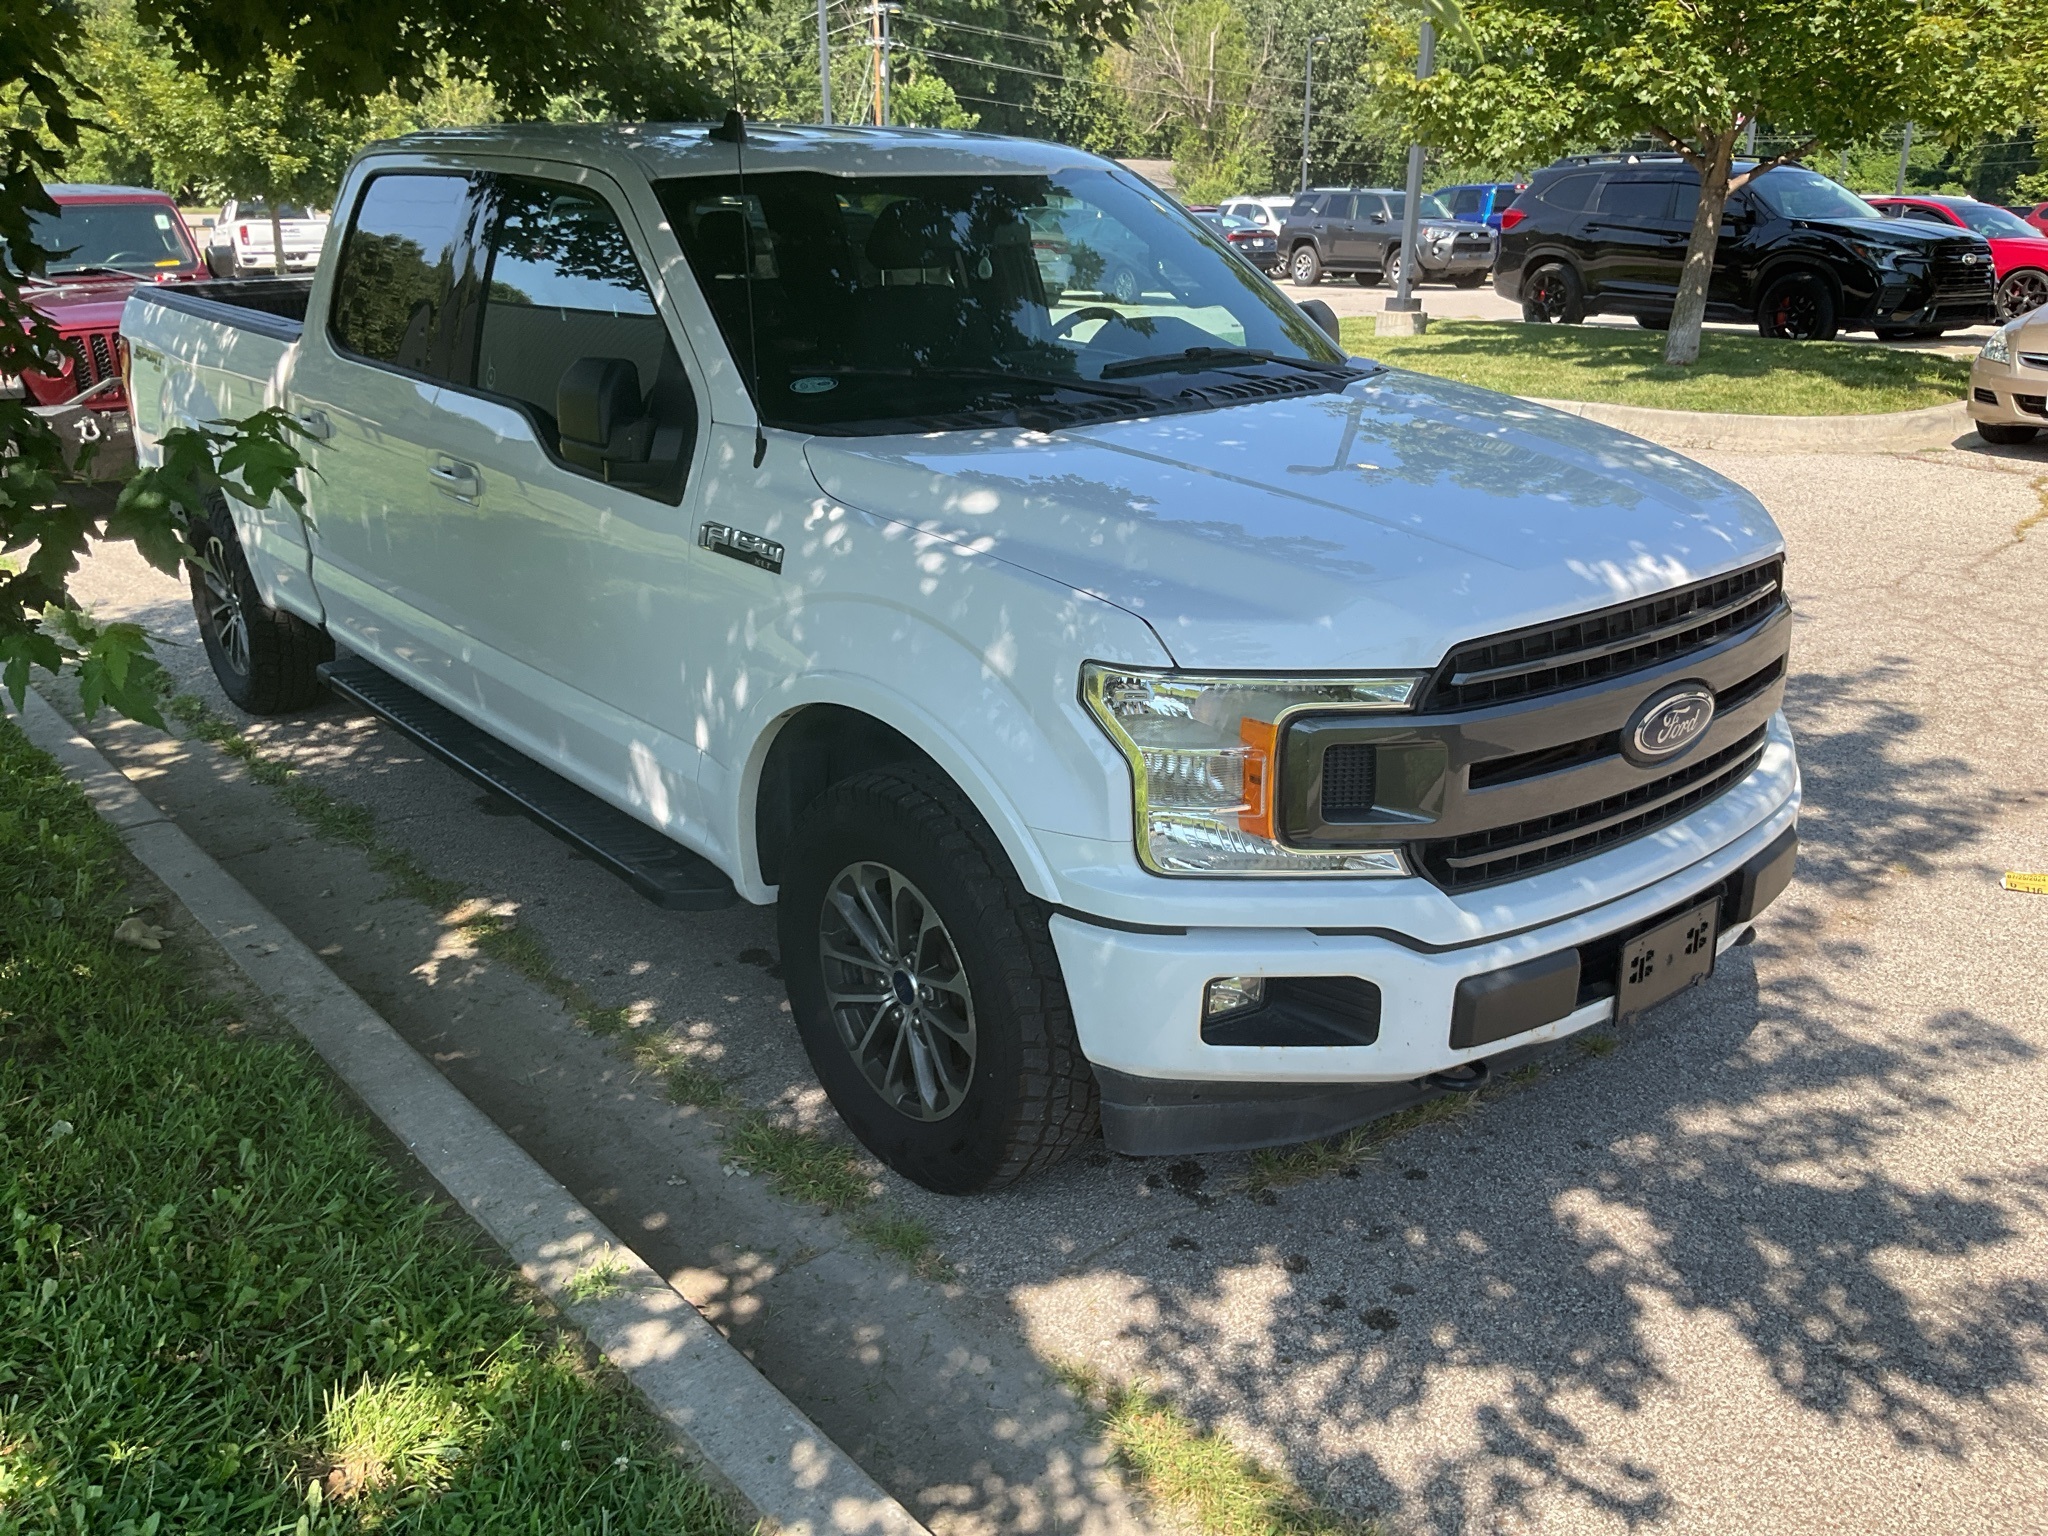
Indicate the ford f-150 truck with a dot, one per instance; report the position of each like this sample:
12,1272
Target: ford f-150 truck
1134,705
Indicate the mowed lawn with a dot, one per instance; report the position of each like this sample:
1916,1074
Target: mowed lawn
221,1309
1744,374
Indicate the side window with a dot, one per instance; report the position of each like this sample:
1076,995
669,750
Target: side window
1633,200
1304,205
570,332
1340,209
1925,215
1465,202
1573,193
405,295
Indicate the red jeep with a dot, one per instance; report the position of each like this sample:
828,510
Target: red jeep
108,239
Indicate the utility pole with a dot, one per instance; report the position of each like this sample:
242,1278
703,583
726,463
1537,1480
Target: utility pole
1905,149
1403,315
1308,89
824,65
879,40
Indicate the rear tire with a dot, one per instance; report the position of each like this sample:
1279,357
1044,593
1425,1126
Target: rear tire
1305,267
266,660
1654,322
1797,307
2022,291
2005,436
1553,295
1468,279
944,1039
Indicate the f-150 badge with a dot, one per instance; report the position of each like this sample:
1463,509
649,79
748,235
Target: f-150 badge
738,544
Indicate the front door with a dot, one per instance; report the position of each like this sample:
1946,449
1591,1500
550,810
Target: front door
1629,235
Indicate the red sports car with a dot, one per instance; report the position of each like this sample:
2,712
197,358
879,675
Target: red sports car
2019,251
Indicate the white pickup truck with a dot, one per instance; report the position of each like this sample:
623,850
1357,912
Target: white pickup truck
245,236
1135,705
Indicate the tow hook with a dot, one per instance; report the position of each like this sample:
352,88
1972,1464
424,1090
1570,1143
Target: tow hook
1469,1078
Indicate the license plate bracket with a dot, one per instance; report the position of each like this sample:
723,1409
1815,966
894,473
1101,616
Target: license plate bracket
1663,961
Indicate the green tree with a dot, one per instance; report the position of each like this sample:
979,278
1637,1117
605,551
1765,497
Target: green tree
1522,80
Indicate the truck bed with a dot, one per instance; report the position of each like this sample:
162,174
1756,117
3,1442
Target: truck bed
271,306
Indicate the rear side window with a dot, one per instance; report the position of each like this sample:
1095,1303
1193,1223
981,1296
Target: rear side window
405,295
1341,208
1465,201
1628,198
1306,203
1572,193
570,333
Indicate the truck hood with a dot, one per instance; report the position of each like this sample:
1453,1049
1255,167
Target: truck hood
83,304
1371,528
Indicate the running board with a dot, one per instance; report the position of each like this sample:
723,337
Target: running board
655,865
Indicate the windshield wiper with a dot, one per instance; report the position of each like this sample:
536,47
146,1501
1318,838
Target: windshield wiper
1195,359
992,375
86,270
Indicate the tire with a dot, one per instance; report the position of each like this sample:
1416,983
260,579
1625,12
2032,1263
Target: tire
2005,436
1553,295
1797,307
2022,291
1304,267
1468,280
1390,274
1654,322
1366,279
265,660
1125,286
1001,1090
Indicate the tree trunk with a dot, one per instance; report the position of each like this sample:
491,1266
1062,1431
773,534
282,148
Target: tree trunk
277,240
1682,342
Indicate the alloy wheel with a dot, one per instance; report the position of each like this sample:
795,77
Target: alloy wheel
1796,315
897,991
1393,276
2021,293
1548,295
224,615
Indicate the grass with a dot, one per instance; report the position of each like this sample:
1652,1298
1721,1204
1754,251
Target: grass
221,1310
1195,1474
799,1163
1743,374
1279,1167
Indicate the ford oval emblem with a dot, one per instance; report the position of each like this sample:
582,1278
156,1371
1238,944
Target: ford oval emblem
1667,724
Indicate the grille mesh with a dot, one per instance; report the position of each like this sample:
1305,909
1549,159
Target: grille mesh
1610,643
1349,775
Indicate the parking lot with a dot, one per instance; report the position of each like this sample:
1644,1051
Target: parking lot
1770,1259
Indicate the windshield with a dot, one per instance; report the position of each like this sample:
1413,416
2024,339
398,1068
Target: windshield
1792,192
129,237
880,301
1426,207
1988,221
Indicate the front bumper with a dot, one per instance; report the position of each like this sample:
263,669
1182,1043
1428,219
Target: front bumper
1137,999
96,439
1455,261
2017,394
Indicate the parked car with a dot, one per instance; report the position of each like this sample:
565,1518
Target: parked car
108,240
1480,202
245,232
1269,213
1101,753
1258,245
1081,249
2036,216
2009,381
1799,255
1357,233
2019,252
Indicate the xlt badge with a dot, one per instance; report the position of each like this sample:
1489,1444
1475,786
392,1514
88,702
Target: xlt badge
741,545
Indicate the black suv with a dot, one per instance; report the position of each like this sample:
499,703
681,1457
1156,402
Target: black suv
1799,255
1356,232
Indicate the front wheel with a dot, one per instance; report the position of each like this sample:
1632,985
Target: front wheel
2022,292
926,988
1468,279
1797,307
2005,436
1305,267
1392,274
266,660
1552,295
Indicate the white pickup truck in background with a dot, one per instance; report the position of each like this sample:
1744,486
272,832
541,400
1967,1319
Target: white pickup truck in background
245,235
1134,704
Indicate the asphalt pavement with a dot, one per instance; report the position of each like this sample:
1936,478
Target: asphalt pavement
1770,1259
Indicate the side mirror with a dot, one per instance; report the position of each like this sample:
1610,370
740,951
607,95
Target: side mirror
1321,316
599,414
1379,218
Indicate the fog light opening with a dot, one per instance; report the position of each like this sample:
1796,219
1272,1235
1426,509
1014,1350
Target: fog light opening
1228,995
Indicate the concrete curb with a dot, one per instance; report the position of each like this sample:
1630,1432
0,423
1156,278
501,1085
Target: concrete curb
1935,426
749,1437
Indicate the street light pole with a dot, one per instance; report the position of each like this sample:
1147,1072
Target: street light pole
1403,315
824,65
1308,86
1905,149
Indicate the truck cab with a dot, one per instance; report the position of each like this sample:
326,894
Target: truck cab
1141,712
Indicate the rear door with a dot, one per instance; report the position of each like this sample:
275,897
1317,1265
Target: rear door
400,315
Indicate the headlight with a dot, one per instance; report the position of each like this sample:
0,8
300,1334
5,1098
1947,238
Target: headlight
1884,257
1999,348
1204,764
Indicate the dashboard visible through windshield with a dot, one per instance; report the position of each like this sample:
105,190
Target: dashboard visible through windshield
890,303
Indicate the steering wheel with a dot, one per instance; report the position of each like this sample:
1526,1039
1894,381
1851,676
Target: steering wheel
1065,328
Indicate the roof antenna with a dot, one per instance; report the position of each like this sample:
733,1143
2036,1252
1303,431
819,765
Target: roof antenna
733,131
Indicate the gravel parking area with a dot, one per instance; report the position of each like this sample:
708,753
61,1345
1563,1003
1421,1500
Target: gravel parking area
1771,1259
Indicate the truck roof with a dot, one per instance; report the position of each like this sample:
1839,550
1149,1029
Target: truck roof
685,149
75,191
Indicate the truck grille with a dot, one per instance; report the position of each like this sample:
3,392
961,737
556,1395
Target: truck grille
1524,847
1962,288
1611,643
98,358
